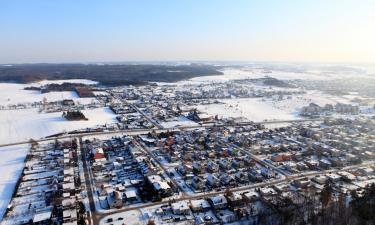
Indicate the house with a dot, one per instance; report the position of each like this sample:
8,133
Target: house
267,173
366,171
159,185
184,169
212,167
241,177
43,217
197,183
115,200
235,200
251,196
333,177
99,154
226,216
267,191
312,164
346,176
180,208
325,164
311,109
226,179
212,180
302,183
131,195
218,202
238,163
197,168
69,215
224,164
320,179
254,176
200,205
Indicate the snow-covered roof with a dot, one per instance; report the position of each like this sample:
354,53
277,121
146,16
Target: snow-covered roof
42,216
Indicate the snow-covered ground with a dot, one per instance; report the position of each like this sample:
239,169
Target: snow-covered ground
12,93
23,124
178,121
284,72
11,165
15,93
19,125
253,109
133,217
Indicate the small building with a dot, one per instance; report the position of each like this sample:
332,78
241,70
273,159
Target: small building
218,202
200,205
235,200
160,186
131,195
180,208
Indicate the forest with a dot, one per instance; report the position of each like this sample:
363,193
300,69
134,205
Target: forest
109,75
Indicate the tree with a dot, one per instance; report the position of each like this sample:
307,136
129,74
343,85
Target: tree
326,195
228,192
325,199
364,206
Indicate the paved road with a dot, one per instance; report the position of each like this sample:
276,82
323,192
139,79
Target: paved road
131,132
146,116
258,160
100,215
147,150
89,187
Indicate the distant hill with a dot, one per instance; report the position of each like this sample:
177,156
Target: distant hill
111,75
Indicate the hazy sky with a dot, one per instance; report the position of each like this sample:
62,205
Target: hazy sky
158,30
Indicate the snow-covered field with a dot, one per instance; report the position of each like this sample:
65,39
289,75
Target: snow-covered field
284,72
11,93
11,165
178,121
23,124
15,93
133,217
253,109
19,125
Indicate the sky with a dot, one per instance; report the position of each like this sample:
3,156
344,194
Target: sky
34,31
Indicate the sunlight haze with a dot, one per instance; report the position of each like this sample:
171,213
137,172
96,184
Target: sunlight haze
245,30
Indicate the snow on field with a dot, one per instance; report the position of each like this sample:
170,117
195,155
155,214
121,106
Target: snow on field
11,93
287,73
19,125
11,165
133,217
260,109
85,101
15,93
178,121
294,103
230,74
253,109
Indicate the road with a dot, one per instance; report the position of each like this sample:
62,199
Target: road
96,216
146,116
258,160
132,132
88,183
147,150
100,215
